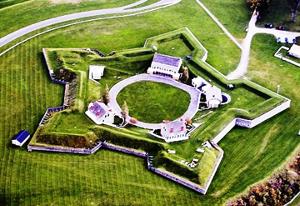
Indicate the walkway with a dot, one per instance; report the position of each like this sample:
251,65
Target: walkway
49,22
193,92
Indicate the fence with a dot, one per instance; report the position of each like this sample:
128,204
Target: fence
126,150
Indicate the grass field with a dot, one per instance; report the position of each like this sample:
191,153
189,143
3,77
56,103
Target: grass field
6,3
109,178
34,11
154,102
233,14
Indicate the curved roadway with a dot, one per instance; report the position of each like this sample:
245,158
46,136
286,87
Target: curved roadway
193,92
49,22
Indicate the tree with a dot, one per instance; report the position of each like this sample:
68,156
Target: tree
125,110
258,5
105,96
189,121
294,4
185,74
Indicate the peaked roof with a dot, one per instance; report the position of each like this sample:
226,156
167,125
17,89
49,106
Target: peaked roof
295,49
168,60
212,92
175,126
21,136
98,108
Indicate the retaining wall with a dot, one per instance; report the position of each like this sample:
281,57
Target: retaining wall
64,149
126,150
251,123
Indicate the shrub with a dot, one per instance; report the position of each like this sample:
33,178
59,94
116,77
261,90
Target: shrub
278,190
67,140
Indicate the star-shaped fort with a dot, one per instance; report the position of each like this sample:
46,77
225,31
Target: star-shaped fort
162,102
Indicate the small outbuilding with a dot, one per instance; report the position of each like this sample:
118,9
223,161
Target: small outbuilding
100,113
20,138
174,131
295,51
96,72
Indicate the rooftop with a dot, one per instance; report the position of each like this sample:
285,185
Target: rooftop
21,136
175,126
98,108
168,60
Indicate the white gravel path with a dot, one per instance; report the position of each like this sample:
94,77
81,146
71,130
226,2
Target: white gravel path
193,92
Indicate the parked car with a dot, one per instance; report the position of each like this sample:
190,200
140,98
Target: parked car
269,25
281,28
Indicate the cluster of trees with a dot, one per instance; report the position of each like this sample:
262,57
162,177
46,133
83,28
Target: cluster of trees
64,74
294,4
262,5
67,140
279,190
105,96
259,5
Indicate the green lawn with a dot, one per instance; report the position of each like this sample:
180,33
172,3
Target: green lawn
6,3
35,11
109,178
154,102
175,47
233,14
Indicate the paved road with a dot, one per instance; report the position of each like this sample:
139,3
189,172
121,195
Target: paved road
242,68
193,92
49,22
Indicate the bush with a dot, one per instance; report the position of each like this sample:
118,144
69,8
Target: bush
278,190
67,140
64,74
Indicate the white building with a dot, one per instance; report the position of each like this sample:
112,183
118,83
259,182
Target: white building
174,131
100,113
198,82
96,72
165,65
213,96
20,138
295,51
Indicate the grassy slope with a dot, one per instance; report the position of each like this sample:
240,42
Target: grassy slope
111,178
233,14
154,102
123,30
268,145
34,11
6,3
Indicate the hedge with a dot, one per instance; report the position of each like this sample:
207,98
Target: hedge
67,140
